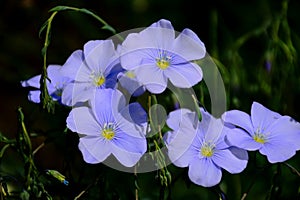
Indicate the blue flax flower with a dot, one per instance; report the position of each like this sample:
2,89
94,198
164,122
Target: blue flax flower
201,146
108,127
157,56
274,135
55,86
96,67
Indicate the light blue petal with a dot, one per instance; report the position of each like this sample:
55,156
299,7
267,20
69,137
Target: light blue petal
188,46
128,158
32,82
175,118
139,91
67,94
94,149
278,150
118,101
34,96
285,129
222,141
51,88
127,124
261,116
134,114
159,35
133,51
186,158
205,121
54,74
204,172
81,120
182,141
72,65
239,138
162,23
198,141
107,104
168,137
110,82
184,75
214,129
239,153
152,78
211,129
138,46
111,76
101,105
75,93
85,74
229,161
113,67
98,54
130,143
240,119
134,87
76,68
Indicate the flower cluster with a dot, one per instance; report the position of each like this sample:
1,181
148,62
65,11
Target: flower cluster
92,83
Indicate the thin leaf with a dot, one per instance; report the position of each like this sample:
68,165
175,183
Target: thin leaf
109,28
43,27
3,150
86,11
59,8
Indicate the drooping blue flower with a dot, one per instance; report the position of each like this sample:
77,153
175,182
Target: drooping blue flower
274,135
157,56
109,126
201,147
55,86
96,67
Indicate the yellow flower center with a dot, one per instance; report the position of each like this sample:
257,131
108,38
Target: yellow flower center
207,150
108,131
260,138
130,74
162,64
163,60
99,80
108,134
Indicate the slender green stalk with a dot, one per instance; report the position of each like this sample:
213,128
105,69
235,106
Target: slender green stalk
27,141
44,96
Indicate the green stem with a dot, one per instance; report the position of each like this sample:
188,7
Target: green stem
196,104
28,144
44,96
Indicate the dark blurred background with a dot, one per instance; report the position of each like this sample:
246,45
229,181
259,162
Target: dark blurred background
256,45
